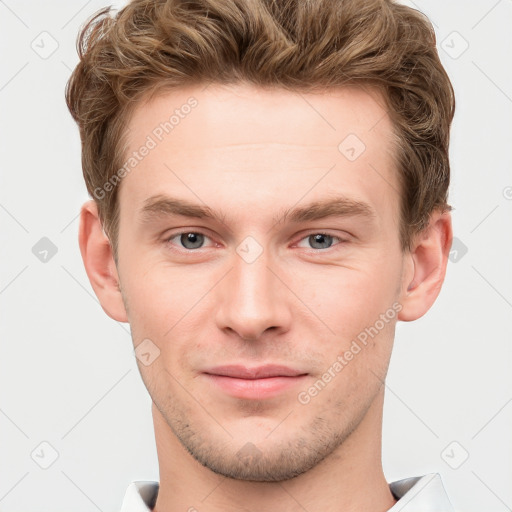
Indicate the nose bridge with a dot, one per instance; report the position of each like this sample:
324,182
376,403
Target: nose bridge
252,298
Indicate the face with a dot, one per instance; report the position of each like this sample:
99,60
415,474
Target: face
260,265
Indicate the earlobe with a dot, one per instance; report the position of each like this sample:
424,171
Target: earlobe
99,262
428,261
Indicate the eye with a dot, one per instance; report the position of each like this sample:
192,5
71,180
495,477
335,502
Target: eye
193,240
321,240
189,240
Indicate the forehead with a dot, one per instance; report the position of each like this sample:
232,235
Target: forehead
252,114
273,145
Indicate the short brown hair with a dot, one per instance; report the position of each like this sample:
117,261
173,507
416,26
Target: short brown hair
301,45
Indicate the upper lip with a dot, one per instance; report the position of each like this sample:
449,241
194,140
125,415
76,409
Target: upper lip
256,372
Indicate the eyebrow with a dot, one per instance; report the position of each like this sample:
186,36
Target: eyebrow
160,205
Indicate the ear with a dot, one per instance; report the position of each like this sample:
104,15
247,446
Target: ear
426,267
99,262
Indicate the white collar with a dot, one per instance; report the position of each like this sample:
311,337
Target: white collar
418,494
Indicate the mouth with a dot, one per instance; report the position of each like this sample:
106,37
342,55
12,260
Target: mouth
256,383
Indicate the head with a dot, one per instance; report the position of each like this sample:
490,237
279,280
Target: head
269,184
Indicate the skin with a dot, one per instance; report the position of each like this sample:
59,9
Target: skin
252,154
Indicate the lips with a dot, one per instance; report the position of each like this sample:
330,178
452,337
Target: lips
258,372
256,383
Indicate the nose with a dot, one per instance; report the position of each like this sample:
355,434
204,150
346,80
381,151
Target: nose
253,300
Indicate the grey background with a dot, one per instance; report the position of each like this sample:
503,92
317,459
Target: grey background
68,376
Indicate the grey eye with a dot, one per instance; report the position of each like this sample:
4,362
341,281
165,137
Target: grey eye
323,241
192,240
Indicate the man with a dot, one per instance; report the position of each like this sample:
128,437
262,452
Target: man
269,184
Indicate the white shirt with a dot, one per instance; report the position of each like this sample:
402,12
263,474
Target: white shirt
416,494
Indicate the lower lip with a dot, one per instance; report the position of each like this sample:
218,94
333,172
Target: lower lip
254,389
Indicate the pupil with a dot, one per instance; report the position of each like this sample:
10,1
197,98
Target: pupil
322,240
191,240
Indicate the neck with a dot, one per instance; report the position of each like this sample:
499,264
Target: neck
349,479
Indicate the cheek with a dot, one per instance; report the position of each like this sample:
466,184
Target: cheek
350,299
356,368
360,309
168,306
161,297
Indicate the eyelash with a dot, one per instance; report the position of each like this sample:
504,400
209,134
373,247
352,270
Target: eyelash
168,239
